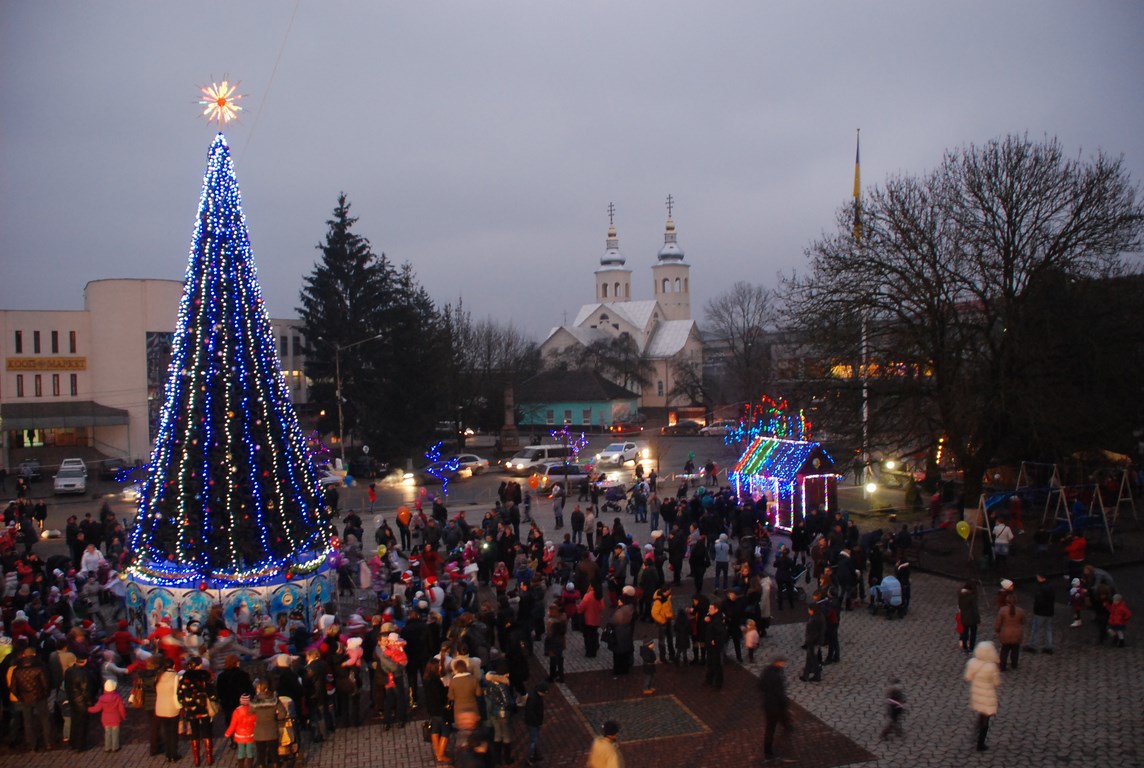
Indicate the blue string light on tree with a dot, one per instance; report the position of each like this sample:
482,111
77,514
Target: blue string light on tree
231,499
441,470
575,443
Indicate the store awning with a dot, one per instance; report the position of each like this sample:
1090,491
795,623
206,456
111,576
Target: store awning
60,415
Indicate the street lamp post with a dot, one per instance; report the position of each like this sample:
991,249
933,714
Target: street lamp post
338,391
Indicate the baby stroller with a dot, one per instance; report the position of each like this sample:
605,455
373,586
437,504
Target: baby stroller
288,752
887,596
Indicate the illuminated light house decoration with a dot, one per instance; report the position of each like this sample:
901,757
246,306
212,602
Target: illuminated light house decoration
793,473
230,513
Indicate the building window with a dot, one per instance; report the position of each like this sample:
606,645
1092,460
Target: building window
39,385
616,294
685,285
666,286
74,384
55,385
587,417
550,417
71,342
659,388
677,285
55,342
627,291
603,293
567,415
19,382
298,351
35,343
285,345
19,342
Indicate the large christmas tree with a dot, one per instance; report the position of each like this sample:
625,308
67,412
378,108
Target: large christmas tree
231,496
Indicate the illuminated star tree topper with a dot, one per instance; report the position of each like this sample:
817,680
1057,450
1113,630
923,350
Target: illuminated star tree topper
220,102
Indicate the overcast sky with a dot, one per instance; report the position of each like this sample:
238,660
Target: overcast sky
483,141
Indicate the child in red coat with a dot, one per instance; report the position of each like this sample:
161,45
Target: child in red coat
1118,617
242,730
112,713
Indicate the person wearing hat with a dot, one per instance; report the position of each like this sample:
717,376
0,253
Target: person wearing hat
112,713
1010,629
394,661
241,729
970,613
722,561
30,687
196,688
604,752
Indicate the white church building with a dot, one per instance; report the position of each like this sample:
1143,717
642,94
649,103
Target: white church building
661,327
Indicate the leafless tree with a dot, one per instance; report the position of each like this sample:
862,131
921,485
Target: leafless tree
740,319
946,285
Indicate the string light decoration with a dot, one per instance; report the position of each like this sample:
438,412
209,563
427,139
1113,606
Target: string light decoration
575,443
769,417
231,496
794,475
439,469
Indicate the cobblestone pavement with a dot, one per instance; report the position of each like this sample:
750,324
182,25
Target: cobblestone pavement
1079,706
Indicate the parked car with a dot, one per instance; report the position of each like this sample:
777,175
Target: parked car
618,453
685,427
70,480
30,469
328,476
564,474
366,468
719,428
473,462
109,469
79,464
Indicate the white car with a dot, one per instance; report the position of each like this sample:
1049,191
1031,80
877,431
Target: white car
74,464
328,477
475,464
618,453
70,480
720,428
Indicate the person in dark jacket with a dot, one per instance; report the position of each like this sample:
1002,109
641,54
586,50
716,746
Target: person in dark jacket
715,636
317,697
970,615
232,683
776,706
533,719
1044,606
79,686
623,625
195,689
30,687
149,675
812,640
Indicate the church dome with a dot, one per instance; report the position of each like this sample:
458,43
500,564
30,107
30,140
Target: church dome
670,250
612,256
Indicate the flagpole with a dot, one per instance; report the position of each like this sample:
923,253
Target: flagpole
867,469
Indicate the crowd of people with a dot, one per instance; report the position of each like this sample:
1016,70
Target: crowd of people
459,617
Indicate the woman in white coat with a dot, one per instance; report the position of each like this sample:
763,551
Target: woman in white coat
983,674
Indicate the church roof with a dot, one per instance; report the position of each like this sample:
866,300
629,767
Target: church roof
570,386
669,338
583,335
638,313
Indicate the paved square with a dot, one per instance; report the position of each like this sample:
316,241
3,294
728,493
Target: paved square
651,717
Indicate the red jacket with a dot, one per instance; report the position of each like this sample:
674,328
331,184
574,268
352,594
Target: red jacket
111,710
1118,614
242,725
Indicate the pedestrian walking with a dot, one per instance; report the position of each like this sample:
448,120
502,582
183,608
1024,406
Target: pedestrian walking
776,705
984,676
895,708
534,719
604,752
